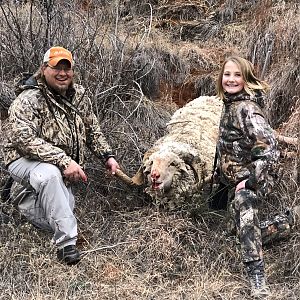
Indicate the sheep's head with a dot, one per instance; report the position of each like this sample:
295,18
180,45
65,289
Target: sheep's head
160,168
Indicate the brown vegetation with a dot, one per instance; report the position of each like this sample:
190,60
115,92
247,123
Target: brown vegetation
140,60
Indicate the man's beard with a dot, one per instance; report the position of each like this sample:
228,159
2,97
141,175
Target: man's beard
61,89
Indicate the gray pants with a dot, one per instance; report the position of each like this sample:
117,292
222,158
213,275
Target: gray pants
45,200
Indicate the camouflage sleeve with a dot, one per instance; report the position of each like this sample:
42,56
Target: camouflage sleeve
264,154
25,125
95,138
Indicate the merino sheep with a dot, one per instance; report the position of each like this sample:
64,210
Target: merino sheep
175,168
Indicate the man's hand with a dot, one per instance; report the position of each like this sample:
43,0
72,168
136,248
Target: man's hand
112,165
74,172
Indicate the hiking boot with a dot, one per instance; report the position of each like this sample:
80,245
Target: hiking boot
68,255
256,277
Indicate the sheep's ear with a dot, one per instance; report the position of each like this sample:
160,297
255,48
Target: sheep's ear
139,178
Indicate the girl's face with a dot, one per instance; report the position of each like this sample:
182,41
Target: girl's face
232,80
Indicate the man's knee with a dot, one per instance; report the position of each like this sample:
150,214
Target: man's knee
43,174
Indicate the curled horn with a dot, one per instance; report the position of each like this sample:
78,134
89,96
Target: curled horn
137,179
199,185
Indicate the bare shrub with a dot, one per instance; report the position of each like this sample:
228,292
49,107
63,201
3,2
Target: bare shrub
6,95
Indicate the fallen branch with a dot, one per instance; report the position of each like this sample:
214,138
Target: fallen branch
287,140
102,248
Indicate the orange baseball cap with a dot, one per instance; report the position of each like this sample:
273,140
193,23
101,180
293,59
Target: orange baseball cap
56,54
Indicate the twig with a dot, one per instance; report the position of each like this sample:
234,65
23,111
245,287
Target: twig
150,23
103,248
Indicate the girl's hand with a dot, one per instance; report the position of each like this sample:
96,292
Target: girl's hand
241,185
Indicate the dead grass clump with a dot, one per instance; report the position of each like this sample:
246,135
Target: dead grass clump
275,35
205,85
229,10
155,64
137,7
285,81
221,19
291,126
274,51
173,75
179,72
181,10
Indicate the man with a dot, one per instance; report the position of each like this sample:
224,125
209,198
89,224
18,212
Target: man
50,122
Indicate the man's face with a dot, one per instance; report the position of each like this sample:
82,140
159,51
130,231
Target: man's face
59,77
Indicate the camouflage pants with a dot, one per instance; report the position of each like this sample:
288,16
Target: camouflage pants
245,215
250,231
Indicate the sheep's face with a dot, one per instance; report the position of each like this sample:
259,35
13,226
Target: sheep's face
160,168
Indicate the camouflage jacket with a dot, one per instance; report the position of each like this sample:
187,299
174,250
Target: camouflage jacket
51,128
246,147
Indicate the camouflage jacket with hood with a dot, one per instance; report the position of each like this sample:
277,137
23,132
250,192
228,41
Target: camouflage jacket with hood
247,146
52,128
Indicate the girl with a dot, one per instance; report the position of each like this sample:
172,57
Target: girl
246,153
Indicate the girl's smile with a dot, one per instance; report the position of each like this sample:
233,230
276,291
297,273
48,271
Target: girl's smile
232,80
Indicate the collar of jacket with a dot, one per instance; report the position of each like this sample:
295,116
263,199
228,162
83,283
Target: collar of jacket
24,82
258,97
57,99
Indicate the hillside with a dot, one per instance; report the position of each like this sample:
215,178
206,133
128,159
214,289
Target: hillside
140,61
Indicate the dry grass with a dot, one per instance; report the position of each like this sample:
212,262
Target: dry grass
137,60
156,255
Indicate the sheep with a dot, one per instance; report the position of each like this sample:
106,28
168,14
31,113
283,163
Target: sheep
176,167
